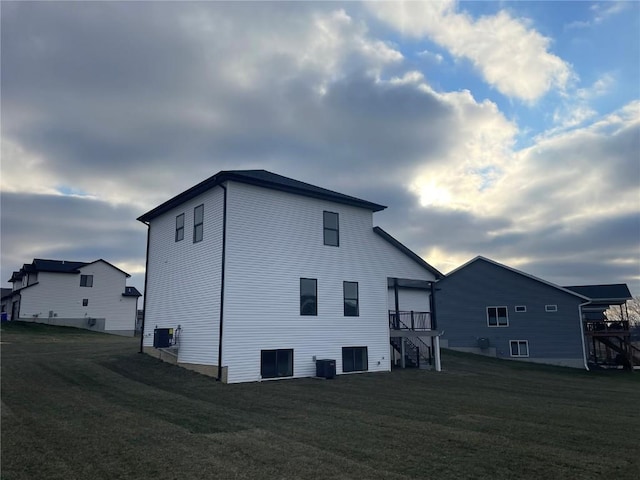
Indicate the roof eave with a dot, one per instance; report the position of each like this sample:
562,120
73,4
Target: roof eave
226,175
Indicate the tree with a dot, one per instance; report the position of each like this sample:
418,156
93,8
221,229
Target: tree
633,310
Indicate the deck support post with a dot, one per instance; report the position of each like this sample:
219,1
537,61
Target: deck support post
437,354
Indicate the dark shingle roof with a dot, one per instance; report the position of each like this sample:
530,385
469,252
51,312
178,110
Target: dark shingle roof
618,292
131,292
58,266
55,266
6,292
416,258
261,178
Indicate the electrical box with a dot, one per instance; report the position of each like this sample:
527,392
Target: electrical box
163,337
326,368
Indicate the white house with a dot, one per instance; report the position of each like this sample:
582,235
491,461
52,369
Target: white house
87,295
259,275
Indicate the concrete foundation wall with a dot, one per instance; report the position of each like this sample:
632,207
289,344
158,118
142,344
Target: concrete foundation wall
171,357
94,324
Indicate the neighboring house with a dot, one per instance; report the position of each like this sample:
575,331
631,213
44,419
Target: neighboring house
492,309
87,295
259,275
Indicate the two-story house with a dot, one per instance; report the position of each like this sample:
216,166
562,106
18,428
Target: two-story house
488,308
259,276
90,295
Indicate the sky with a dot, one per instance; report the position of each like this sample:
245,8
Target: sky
504,129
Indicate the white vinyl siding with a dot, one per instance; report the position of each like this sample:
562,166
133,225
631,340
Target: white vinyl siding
273,240
409,299
183,279
61,294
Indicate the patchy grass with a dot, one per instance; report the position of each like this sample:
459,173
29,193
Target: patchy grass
78,404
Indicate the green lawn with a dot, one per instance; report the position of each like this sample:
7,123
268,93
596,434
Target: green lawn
83,405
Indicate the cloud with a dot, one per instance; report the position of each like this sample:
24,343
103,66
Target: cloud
73,228
111,108
512,57
601,11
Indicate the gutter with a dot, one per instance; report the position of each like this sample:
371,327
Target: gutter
584,350
222,273
146,278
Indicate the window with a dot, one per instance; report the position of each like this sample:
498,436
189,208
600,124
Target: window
276,363
521,308
86,280
85,302
497,317
198,221
351,307
354,359
551,308
308,296
519,348
180,227
331,229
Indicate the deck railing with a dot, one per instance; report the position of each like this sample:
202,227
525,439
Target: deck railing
409,320
607,326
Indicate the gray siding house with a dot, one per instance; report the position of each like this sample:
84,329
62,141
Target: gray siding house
488,308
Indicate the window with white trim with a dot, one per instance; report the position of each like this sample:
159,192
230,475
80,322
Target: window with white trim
551,308
497,317
519,348
520,308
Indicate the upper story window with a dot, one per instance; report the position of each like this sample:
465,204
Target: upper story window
86,280
180,227
551,308
351,305
331,229
497,317
308,296
198,223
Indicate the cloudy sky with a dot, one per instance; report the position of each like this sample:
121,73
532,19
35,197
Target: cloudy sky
509,130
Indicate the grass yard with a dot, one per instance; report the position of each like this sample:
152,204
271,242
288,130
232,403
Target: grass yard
83,405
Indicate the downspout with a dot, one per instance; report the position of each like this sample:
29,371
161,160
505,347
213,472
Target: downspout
146,278
584,350
222,274
434,325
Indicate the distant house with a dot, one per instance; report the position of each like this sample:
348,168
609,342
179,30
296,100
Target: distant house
488,308
87,295
254,276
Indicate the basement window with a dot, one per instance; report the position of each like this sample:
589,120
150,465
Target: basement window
276,363
355,359
519,348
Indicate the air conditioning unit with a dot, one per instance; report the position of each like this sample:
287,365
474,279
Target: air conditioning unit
325,368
